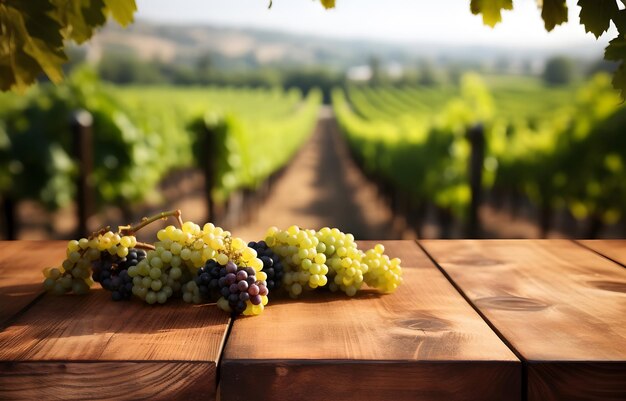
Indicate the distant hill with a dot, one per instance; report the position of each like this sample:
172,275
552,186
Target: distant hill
241,48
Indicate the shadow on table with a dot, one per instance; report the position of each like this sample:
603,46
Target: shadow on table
95,313
322,295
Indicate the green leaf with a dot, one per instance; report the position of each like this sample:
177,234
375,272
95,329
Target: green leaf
328,4
79,17
596,15
32,34
616,50
122,10
619,80
553,12
31,42
619,19
490,9
37,20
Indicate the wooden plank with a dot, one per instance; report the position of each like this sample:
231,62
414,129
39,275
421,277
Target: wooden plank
76,341
560,306
423,342
106,381
21,265
70,331
614,249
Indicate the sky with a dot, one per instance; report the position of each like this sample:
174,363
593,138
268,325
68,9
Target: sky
439,21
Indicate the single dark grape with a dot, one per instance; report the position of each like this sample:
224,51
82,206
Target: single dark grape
267,261
231,267
240,307
242,285
253,289
233,299
256,299
242,275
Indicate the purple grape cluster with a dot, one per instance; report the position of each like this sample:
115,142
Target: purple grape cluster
271,264
237,285
207,280
111,272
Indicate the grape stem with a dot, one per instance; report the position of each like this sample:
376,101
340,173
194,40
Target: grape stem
144,245
131,230
93,235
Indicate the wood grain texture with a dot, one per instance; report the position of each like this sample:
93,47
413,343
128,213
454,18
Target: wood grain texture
92,328
58,337
106,381
614,249
559,305
576,381
21,265
423,342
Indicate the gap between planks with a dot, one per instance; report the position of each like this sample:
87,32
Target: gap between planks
597,252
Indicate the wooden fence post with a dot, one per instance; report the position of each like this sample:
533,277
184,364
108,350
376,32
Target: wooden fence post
595,226
418,212
9,213
81,124
545,218
445,219
209,167
476,136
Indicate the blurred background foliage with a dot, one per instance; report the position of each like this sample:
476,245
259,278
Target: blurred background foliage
551,121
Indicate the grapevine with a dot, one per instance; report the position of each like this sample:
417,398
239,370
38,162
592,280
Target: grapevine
209,265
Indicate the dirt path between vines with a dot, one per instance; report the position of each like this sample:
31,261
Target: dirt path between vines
322,187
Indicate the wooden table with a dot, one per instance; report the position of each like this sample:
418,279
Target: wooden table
474,320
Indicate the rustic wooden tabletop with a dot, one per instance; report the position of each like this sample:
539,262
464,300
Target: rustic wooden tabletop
473,320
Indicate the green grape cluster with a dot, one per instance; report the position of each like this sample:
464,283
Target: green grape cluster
179,253
384,273
330,257
345,260
74,274
304,263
